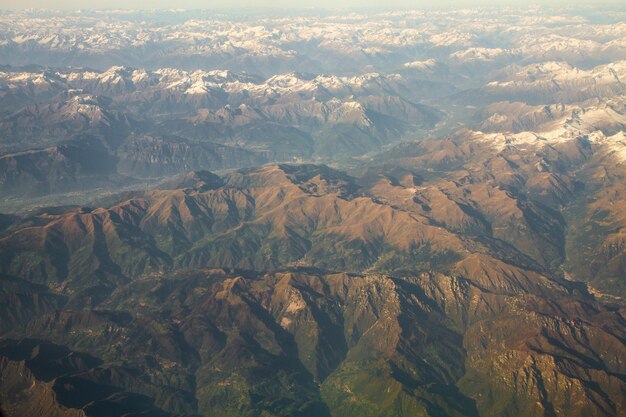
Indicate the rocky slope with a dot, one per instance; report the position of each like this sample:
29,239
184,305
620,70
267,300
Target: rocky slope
451,301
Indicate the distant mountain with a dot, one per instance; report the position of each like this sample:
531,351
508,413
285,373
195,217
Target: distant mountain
553,82
155,124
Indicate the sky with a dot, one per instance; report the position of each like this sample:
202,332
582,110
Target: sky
211,4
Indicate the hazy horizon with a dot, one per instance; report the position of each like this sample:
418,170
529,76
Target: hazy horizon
234,4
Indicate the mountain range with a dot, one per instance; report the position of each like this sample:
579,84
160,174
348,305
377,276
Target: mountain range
411,213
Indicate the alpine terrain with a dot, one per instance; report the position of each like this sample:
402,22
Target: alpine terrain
313,213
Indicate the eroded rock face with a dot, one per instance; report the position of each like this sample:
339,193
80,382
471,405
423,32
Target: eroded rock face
296,343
